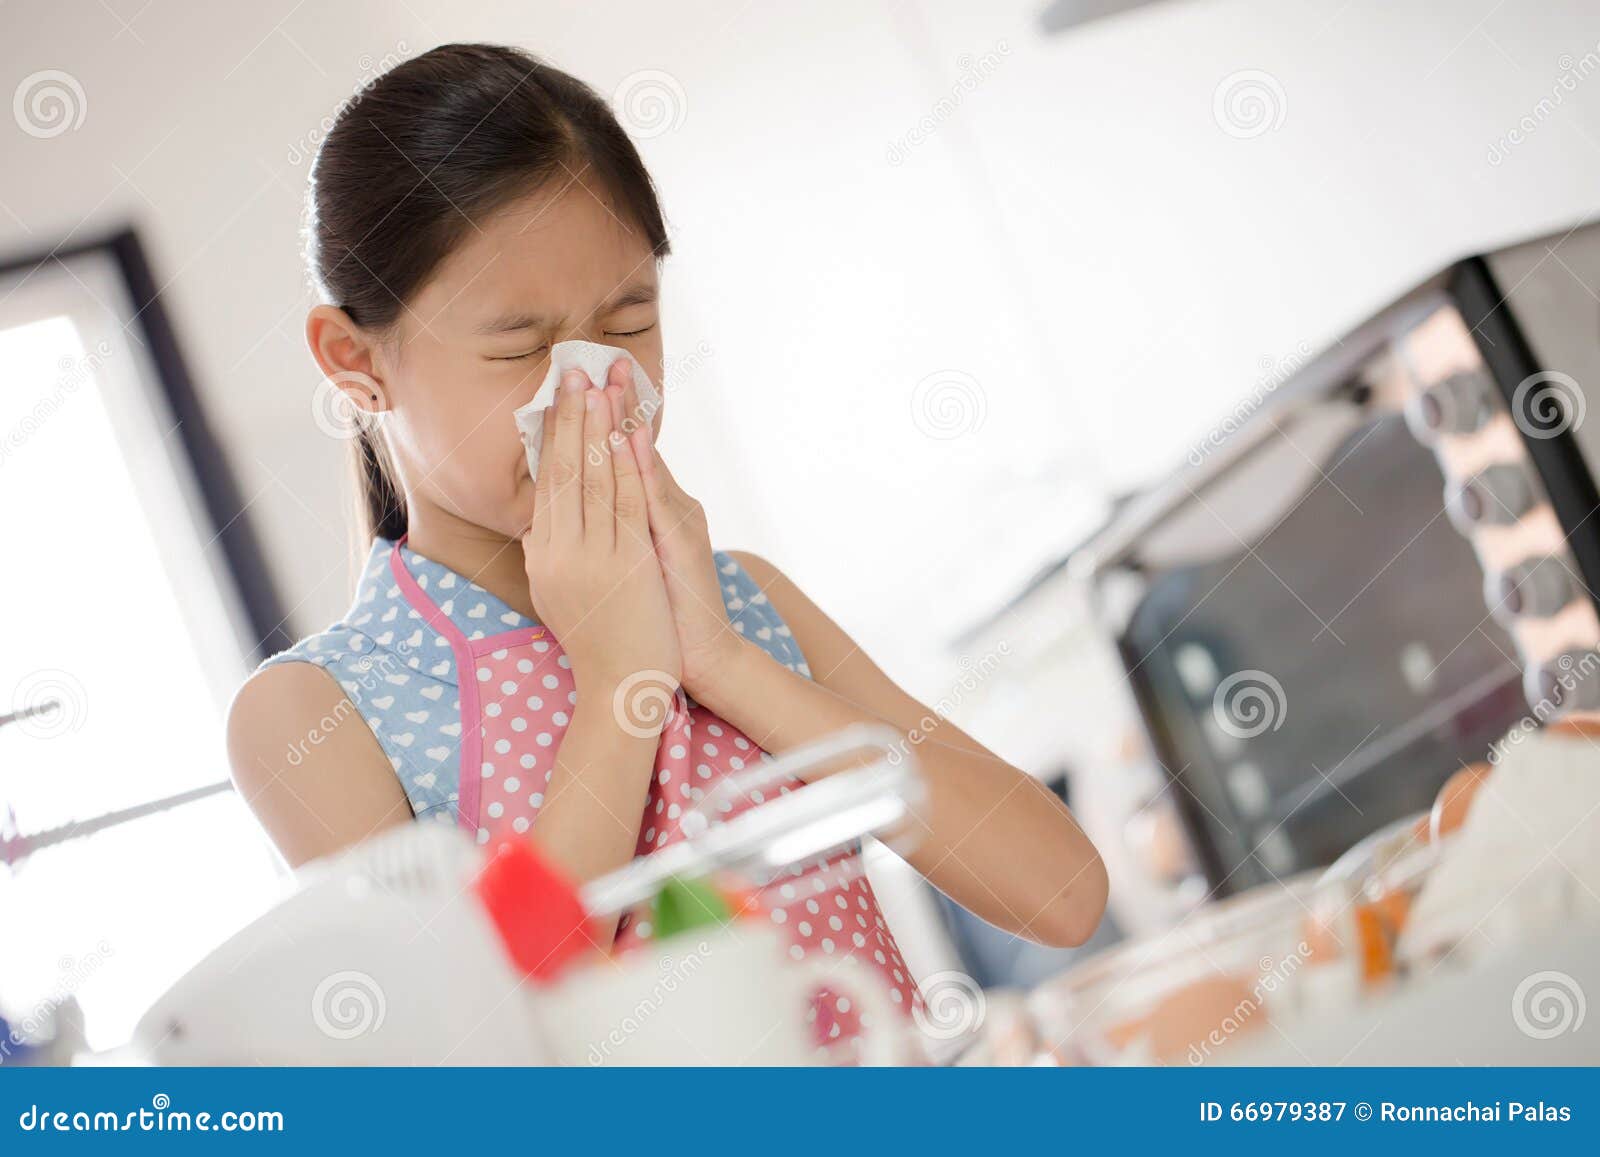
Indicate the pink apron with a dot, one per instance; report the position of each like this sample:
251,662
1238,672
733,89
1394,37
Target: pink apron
517,695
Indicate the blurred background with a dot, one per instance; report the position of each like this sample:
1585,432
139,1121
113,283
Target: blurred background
957,291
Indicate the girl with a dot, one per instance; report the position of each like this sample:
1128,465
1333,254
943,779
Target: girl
469,209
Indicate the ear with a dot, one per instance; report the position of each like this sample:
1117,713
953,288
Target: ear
347,356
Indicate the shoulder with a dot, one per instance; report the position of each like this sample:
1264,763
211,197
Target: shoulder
280,717
828,648
762,584
759,569
748,583
282,694
306,763
770,586
356,660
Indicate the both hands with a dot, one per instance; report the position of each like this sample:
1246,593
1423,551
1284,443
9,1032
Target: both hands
618,557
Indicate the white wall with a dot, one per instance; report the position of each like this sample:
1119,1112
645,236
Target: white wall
1076,235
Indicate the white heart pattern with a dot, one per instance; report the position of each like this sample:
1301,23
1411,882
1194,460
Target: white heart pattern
417,723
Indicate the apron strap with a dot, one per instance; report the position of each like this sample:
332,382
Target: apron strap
423,604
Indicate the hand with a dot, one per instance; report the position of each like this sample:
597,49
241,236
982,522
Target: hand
706,640
591,571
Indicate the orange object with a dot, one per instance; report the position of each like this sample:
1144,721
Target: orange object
1193,1022
1579,724
743,902
1124,1032
1373,942
1454,800
1392,908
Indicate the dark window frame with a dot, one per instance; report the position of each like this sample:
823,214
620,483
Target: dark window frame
227,520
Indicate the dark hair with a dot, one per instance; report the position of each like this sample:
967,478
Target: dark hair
431,145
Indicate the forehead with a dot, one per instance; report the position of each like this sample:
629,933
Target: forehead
559,253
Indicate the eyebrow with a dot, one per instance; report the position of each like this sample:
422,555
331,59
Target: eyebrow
507,323
643,294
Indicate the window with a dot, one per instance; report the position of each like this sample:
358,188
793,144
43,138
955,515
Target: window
127,855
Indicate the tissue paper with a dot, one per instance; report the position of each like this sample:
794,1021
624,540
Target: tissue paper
595,360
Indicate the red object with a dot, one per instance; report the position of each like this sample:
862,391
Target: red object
536,909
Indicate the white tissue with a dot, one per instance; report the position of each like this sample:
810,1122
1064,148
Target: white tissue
595,360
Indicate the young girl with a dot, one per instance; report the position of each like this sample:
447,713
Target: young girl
470,209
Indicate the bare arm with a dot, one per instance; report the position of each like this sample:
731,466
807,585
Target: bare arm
589,823
999,843
318,781
308,765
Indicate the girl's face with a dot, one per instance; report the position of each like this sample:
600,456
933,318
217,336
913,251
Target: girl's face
474,344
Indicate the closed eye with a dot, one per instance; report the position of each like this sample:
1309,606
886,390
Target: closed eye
544,349
631,332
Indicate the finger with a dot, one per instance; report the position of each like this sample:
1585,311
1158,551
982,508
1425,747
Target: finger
542,485
530,550
665,502
599,481
635,415
618,413
632,510
658,480
566,459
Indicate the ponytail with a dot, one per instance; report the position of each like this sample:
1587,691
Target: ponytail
380,505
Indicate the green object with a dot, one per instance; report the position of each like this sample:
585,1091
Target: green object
685,904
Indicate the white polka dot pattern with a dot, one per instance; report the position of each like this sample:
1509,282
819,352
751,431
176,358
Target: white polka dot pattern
396,655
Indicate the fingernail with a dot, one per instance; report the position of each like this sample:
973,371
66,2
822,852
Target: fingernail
591,400
572,381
